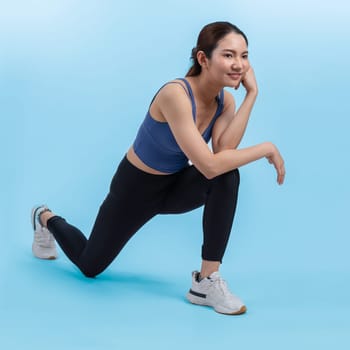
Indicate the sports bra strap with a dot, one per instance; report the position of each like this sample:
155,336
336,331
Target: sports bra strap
188,92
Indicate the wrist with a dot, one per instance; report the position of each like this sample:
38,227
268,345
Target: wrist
253,92
269,149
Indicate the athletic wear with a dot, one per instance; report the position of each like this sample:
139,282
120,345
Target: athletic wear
43,246
134,198
213,291
155,144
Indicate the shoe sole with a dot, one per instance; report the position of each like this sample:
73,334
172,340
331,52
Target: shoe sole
40,255
194,300
48,258
241,311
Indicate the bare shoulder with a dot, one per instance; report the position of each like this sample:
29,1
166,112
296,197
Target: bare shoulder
229,101
171,101
228,112
172,89
173,93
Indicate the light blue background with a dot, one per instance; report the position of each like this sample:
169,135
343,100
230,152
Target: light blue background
76,78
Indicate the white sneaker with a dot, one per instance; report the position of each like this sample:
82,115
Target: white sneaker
213,291
44,246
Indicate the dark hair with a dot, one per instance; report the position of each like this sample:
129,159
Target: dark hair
207,41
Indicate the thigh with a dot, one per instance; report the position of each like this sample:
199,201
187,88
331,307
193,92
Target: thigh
188,191
134,198
116,223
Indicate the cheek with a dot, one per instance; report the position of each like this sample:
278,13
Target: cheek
226,64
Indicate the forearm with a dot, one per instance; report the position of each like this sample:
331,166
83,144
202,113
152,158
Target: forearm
232,136
228,160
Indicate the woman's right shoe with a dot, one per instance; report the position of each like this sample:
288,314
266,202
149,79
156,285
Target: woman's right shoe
44,246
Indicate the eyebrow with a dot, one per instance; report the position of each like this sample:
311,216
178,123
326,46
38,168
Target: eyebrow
233,51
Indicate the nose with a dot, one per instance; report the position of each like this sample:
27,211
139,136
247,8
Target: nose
237,63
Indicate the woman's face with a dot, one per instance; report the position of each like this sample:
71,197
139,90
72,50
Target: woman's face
229,61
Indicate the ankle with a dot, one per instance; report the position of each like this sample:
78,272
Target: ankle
44,216
209,267
203,275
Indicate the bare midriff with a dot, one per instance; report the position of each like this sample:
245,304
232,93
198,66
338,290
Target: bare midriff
138,163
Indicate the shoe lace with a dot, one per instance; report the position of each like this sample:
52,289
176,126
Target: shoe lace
221,285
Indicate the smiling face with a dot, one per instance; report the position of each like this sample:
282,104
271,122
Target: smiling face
229,61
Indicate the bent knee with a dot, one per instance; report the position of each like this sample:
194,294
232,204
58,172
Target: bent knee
89,274
90,271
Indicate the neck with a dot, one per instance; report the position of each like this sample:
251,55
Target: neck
204,89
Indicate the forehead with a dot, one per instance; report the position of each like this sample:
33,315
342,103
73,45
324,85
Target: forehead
232,41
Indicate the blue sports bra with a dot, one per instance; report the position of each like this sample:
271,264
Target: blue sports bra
155,144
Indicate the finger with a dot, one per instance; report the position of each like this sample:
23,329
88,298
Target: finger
280,179
281,176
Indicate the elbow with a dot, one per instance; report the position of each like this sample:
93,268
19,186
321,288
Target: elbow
209,175
209,169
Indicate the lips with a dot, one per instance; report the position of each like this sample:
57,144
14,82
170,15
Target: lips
235,76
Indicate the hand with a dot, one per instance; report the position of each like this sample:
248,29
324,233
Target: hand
249,81
276,159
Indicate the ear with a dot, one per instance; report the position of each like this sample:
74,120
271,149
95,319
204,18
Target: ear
202,59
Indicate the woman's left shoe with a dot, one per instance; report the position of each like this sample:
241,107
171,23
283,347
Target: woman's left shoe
213,291
44,246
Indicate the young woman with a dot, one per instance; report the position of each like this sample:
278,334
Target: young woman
155,176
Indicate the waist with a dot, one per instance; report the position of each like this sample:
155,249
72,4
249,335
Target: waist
157,148
162,161
134,159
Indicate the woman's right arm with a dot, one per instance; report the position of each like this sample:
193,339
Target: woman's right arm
175,107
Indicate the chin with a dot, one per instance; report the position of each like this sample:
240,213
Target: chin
232,84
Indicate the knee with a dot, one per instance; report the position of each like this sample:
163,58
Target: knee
89,274
90,271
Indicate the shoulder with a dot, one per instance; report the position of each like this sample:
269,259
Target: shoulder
171,101
173,91
228,98
174,86
229,101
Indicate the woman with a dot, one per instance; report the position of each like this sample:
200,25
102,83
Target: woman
155,176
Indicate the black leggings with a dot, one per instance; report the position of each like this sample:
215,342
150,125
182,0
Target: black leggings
134,198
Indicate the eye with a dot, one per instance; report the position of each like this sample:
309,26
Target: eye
245,57
228,55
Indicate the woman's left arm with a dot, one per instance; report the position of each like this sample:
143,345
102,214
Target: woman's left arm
230,127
